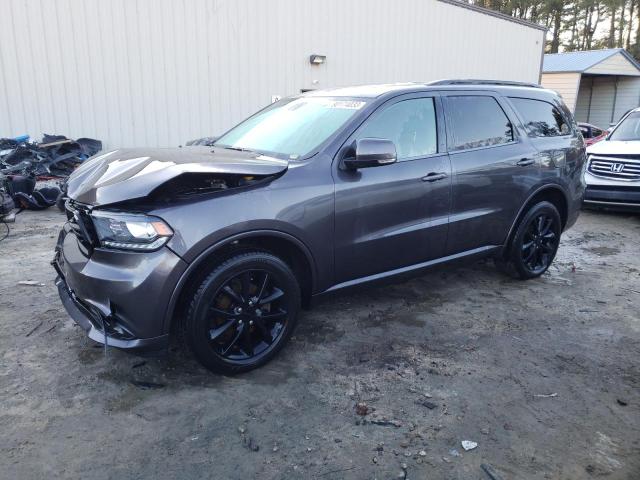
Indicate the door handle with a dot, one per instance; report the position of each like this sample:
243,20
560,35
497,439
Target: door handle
525,161
434,177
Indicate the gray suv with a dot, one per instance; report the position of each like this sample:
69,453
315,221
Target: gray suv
223,244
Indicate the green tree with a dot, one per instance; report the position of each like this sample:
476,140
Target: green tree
578,24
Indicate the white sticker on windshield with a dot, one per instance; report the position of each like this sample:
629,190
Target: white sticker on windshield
348,104
327,103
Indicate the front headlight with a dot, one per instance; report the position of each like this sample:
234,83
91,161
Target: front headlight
129,231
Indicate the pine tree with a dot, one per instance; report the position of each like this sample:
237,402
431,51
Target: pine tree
578,24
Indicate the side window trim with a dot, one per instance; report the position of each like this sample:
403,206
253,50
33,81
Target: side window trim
508,112
441,144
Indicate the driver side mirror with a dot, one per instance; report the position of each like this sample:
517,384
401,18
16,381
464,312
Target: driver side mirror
371,152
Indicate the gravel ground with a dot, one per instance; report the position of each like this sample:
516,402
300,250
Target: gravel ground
542,375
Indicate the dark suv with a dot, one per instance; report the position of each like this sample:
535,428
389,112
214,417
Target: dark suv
315,193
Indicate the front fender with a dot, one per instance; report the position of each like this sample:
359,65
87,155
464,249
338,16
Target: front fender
206,253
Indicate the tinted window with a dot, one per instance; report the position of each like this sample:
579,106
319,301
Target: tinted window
410,124
541,119
478,122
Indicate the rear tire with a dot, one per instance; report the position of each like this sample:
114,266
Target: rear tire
535,243
243,313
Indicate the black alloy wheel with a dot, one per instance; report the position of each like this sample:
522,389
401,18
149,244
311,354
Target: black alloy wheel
248,313
243,313
534,244
540,243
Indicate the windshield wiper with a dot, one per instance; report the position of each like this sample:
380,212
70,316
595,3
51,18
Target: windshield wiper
237,149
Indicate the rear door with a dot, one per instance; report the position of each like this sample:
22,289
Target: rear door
395,215
554,134
494,167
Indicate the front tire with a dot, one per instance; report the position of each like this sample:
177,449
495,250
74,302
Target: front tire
535,243
243,313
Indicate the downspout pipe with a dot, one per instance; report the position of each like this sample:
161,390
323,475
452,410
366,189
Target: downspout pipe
615,98
590,99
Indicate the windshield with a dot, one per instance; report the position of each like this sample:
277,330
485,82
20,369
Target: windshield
291,128
629,128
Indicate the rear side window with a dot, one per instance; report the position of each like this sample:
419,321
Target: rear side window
478,121
409,124
541,119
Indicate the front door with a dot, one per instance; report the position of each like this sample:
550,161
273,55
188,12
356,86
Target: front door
395,215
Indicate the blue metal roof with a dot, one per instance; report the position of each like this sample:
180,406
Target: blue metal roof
581,61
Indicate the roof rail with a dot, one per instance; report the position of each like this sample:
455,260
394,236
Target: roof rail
507,83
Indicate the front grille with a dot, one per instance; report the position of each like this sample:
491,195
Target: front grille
623,167
80,222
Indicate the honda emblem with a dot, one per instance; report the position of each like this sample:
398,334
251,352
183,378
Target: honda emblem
617,167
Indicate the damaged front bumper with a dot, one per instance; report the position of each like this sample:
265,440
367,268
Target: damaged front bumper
118,298
104,329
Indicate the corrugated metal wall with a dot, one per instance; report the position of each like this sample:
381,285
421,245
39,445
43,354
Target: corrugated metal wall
159,72
602,99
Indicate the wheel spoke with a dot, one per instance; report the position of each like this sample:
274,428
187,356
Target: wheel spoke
540,224
546,227
245,281
221,313
539,259
266,334
544,258
216,332
247,345
272,316
235,339
527,246
530,255
233,294
275,294
263,286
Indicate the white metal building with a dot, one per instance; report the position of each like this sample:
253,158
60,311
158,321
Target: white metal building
160,72
599,86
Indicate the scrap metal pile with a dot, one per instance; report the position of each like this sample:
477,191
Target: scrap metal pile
54,156
24,162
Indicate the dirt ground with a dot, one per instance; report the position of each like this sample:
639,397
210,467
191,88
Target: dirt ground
543,375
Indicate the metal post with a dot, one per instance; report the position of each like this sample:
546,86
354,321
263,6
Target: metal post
590,98
615,98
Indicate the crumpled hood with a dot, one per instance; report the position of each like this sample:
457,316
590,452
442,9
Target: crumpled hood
607,147
134,173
